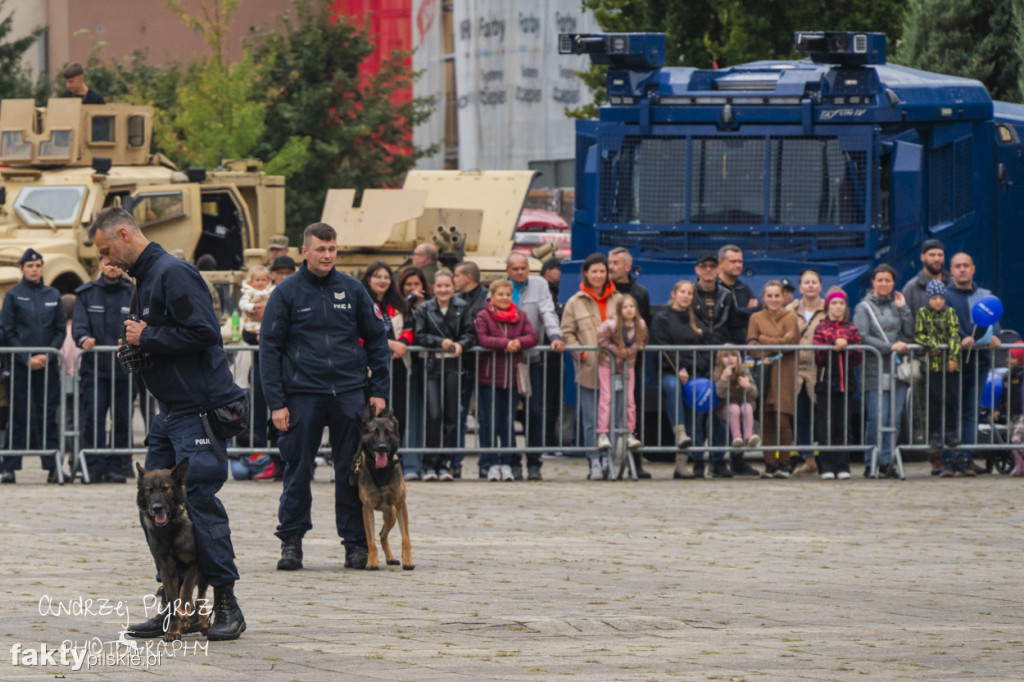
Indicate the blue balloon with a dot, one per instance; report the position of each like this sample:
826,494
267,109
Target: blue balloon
991,393
699,393
987,311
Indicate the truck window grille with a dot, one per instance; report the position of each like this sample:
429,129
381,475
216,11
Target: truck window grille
950,194
733,180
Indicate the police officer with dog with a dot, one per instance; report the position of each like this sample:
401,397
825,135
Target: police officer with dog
98,320
321,334
172,339
33,316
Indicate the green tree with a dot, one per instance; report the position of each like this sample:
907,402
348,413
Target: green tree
719,33
14,79
971,38
359,134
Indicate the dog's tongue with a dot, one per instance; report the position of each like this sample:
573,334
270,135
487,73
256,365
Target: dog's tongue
381,459
160,519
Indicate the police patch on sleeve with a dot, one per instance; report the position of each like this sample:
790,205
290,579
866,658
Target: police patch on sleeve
377,312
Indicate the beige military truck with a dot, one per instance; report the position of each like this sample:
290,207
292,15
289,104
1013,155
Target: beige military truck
63,163
470,215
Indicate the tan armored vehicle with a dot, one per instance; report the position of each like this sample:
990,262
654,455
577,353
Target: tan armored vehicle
469,215
63,163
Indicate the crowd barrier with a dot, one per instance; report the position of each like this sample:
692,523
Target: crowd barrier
34,414
446,408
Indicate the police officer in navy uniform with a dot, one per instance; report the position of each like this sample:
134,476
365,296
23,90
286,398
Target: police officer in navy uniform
33,316
315,375
98,320
186,370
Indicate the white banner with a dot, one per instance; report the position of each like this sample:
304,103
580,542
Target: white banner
512,84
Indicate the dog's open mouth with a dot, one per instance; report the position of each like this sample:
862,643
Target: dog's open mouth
160,518
380,458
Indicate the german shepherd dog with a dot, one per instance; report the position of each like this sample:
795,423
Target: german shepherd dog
377,471
169,532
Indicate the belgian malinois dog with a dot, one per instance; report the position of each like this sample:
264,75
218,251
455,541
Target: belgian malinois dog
161,501
377,471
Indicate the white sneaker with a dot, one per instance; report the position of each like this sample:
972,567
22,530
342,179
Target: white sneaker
596,470
494,473
506,473
603,443
445,475
829,476
429,475
738,443
754,441
843,475
634,443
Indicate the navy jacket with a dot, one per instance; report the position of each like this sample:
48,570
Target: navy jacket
100,311
189,372
310,338
33,316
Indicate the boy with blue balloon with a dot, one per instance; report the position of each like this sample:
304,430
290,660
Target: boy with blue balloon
937,329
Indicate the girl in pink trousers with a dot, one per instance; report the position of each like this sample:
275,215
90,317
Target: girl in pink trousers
623,334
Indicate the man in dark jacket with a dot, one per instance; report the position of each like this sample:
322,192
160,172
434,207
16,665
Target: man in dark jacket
933,256
715,308
98,320
978,345
314,374
714,305
179,354
467,284
33,316
730,267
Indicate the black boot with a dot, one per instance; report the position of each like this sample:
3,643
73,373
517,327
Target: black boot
638,462
154,627
228,621
355,557
291,555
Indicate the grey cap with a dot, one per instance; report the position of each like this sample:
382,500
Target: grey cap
278,241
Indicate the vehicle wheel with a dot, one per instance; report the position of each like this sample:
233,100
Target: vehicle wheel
1003,463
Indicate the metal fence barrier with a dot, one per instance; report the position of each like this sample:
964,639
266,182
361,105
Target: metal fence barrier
448,408
35,413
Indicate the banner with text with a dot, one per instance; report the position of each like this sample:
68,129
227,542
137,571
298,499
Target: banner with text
512,85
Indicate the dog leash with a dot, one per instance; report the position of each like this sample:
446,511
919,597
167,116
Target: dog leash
214,445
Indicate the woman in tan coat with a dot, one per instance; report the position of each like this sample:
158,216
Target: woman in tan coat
810,310
584,312
776,326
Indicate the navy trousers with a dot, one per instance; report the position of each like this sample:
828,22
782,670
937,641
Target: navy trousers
100,395
34,422
172,438
309,414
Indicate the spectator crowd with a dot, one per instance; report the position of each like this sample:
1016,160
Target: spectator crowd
497,352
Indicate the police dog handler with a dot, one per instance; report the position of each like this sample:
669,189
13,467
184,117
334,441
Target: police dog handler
187,372
320,334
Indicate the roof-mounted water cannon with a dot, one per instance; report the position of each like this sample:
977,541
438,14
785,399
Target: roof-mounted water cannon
844,48
635,51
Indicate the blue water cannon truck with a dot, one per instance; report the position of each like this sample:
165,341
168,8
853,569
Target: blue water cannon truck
839,161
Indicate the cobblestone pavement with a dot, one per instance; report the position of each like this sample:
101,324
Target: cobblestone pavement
662,579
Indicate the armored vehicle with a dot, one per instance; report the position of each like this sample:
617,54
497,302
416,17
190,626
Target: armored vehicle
63,163
469,215
839,161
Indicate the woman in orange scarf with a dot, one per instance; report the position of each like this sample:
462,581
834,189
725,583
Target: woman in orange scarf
581,320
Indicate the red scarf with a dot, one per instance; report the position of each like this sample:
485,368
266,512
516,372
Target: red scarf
509,315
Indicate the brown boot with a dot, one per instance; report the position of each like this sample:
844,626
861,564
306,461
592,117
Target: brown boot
807,468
